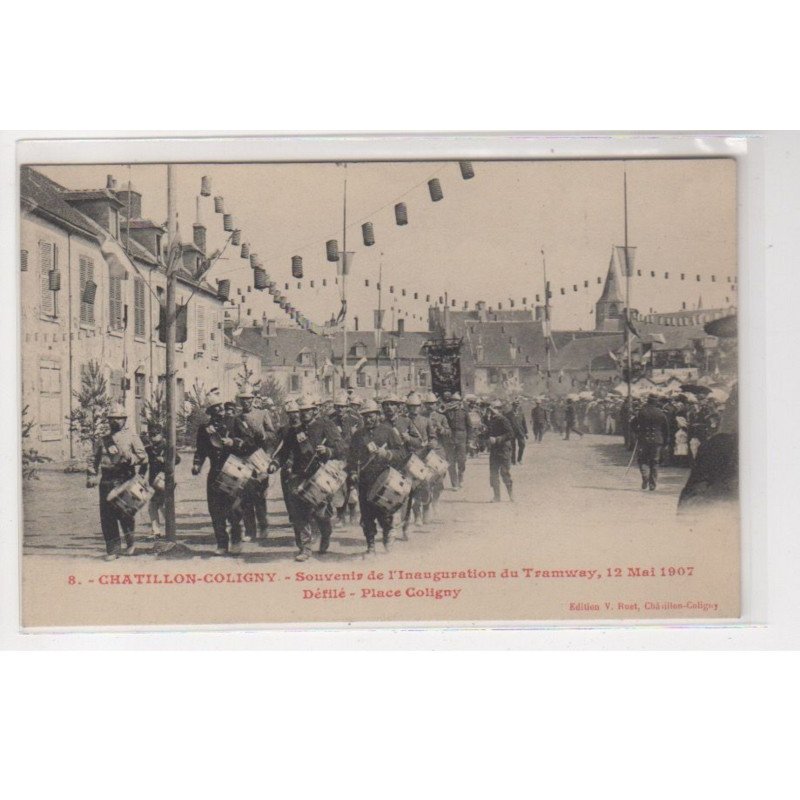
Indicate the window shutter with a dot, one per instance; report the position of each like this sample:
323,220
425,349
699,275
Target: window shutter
201,327
46,263
138,307
86,276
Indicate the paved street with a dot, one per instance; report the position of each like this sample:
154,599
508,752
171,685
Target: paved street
564,489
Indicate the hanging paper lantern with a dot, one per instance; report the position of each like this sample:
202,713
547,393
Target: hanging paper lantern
236,238
245,250
227,222
427,298
574,287
368,234
562,290
366,282
54,280
698,278
401,214
223,289
324,281
525,299
404,292
286,286
416,295
599,280
466,170
297,266
666,274
259,279
466,305
391,290
219,205
537,298
435,188
586,284
683,276
639,273
254,262
205,186
713,279
332,250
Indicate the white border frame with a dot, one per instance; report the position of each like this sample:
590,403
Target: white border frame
748,149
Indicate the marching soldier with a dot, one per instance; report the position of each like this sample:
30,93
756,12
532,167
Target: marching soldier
115,460
461,428
440,430
420,498
313,443
375,447
292,421
347,424
500,435
215,443
257,430
651,429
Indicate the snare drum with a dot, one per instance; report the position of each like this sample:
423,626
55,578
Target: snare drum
436,464
390,490
323,484
416,469
129,497
234,476
259,461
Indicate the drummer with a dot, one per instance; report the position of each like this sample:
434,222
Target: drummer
420,498
347,424
375,447
115,459
215,443
156,446
303,450
440,429
257,430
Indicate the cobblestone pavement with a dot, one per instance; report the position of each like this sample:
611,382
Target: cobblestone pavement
564,489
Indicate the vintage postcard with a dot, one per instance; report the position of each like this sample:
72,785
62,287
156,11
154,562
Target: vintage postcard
417,392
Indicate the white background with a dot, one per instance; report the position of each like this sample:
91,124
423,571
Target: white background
395,724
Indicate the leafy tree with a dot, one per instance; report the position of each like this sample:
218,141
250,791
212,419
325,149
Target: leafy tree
191,415
30,456
244,378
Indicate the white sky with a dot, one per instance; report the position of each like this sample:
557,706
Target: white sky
481,242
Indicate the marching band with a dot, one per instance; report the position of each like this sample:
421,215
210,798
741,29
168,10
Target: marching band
382,462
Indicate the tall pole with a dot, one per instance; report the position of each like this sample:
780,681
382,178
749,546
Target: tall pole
627,287
170,324
546,321
344,281
379,329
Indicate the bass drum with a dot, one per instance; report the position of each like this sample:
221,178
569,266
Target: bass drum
390,491
129,497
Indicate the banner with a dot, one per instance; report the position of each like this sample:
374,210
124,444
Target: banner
626,265
444,360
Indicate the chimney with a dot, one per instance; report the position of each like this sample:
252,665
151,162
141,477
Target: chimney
133,199
199,237
401,326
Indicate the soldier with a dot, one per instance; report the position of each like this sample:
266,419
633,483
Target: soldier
375,447
256,430
292,421
501,434
420,498
115,460
215,444
347,424
461,428
156,447
440,429
651,428
538,420
303,450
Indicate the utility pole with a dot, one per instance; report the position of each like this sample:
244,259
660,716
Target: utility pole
345,267
627,288
546,320
170,320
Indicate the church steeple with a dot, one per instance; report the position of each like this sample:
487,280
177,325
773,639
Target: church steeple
608,309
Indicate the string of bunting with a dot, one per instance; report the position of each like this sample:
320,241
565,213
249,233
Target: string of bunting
263,282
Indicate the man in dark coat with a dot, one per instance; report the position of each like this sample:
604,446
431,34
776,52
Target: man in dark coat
570,419
501,435
651,429
539,421
306,448
461,428
373,448
520,428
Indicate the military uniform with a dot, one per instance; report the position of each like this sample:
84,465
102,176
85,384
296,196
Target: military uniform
156,447
520,428
460,427
651,428
539,421
440,431
348,424
501,435
298,454
221,507
367,467
250,434
115,459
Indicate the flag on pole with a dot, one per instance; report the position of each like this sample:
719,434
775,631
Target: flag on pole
626,263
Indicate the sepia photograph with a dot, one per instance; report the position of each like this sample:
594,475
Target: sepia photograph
379,392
